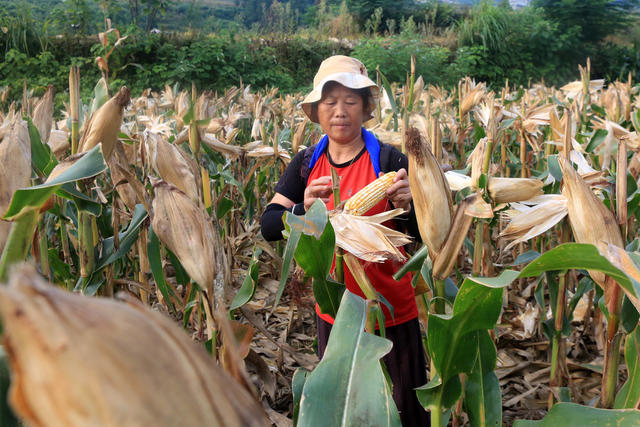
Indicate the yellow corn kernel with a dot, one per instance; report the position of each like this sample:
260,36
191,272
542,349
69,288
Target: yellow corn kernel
370,195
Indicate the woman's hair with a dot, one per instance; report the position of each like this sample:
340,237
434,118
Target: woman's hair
364,93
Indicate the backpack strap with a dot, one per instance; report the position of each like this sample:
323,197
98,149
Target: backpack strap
314,152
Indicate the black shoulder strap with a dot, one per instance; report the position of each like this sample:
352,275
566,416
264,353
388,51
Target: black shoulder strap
306,159
385,158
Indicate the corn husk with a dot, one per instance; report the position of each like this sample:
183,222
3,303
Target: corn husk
506,190
476,159
446,258
58,142
457,181
15,169
186,230
104,124
634,166
366,237
575,88
299,135
430,192
590,219
43,114
81,361
621,259
121,182
221,147
472,97
533,217
171,164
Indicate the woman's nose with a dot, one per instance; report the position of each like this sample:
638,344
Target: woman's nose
340,110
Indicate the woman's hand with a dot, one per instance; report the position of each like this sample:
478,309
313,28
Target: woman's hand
400,193
319,188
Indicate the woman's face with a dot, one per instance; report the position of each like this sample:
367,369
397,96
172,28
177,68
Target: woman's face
340,113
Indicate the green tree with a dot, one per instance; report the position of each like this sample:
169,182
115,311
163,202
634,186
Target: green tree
391,9
593,20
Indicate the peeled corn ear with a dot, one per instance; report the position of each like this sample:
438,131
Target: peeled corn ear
370,195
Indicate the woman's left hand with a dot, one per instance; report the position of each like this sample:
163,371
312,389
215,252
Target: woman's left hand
400,193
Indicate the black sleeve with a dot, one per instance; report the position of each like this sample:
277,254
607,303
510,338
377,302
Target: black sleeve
291,184
396,161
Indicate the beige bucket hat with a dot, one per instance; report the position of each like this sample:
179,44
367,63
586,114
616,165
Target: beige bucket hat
345,70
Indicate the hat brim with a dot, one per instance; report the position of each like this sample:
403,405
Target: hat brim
350,80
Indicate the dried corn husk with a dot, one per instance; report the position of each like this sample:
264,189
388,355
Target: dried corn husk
171,164
445,260
181,107
590,219
476,159
621,259
366,237
575,88
58,142
506,190
104,124
186,230
120,181
81,361
472,97
15,169
298,136
457,181
532,218
43,114
430,192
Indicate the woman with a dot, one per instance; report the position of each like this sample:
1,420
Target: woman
341,100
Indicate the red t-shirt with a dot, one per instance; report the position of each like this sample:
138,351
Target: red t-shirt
399,294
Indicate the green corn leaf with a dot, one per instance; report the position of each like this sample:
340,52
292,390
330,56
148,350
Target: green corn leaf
32,198
155,262
248,288
629,394
350,374
572,414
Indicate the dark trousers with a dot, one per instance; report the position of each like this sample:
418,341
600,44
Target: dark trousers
406,365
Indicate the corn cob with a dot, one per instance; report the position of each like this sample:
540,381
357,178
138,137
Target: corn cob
370,195
430,192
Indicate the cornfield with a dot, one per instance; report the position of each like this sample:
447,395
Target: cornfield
528,281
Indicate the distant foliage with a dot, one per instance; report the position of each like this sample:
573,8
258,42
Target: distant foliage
393,56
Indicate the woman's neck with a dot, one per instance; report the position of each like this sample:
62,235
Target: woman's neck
342,152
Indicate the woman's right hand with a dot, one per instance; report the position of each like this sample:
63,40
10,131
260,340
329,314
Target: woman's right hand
319,188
